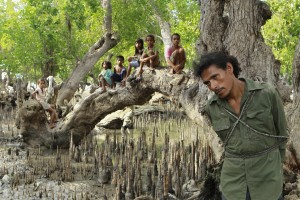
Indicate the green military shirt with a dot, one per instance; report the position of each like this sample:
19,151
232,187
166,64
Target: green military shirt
256,148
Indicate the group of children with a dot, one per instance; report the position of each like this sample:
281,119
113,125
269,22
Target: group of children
175,58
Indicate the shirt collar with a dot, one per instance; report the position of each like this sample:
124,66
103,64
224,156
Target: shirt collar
250,85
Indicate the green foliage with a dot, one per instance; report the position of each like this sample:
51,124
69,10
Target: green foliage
136,20
186,23
34,32
42,31
72,11
282,30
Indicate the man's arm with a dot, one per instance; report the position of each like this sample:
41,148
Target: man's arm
279,121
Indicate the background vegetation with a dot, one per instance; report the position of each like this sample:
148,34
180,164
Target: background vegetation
39,37
282,31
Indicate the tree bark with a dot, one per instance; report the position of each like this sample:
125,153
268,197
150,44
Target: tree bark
296,72
107,42
165,27
293,110
234,26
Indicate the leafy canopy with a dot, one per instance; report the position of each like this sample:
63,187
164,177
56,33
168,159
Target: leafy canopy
282,30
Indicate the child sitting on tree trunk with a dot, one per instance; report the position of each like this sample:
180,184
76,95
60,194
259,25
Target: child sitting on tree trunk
175,55
150,56
119,71
104,76
134,61
40,95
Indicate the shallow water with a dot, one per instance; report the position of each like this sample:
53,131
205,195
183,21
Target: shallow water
38,173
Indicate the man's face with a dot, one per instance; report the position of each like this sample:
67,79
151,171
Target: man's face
218,80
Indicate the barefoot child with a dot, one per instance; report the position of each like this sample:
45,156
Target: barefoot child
175,55
40,95
150,56
134,61
119,71
104,76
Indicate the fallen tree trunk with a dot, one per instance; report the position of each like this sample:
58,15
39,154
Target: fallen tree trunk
90,110
184,90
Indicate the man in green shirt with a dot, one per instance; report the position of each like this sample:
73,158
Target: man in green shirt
249,119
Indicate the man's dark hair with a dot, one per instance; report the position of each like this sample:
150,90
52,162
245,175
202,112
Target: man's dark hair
219,59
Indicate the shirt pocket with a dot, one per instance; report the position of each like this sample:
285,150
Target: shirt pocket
258,121
221,126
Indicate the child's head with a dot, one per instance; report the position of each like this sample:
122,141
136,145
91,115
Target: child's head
42,83
139,43
150,39
139,46
120,59
175,38
175,35
106,64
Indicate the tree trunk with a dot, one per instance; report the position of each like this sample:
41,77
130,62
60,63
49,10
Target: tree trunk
296,72
234,26
165,27
294,109
107,42
96,106
48,69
